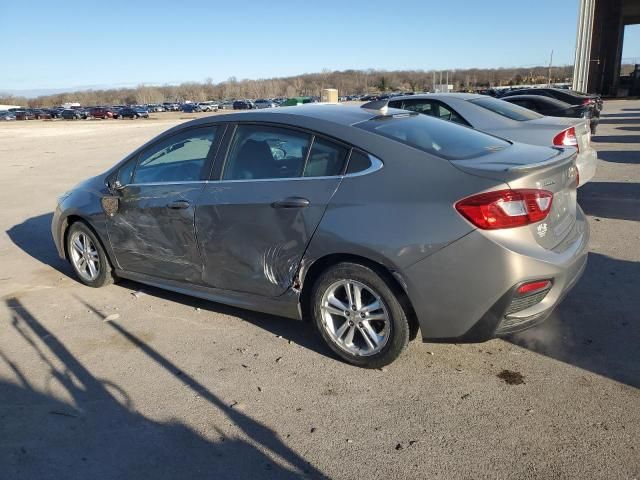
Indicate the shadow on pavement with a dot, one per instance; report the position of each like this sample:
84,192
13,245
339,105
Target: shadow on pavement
620,156
33,236
616,138
99,434
620,121
611,200
620,115
596,327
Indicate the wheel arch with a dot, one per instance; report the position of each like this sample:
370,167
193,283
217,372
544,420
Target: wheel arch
68,222
313,272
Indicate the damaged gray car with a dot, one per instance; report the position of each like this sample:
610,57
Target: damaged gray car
376,225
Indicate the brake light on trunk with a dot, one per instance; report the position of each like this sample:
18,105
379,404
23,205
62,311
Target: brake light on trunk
567,138
506,208
586,101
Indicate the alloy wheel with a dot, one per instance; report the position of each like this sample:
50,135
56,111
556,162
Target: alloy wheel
84,256
355,317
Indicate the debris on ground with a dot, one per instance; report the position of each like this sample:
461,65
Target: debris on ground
138,294
278,359
399,446
510,377
112,317
466,395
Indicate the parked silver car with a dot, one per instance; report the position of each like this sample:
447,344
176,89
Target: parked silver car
6,115
262,103
509,121
373,224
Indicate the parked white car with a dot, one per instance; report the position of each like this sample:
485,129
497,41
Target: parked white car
208,106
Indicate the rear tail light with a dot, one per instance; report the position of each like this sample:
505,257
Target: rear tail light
530,288
586,101
506,208
567,138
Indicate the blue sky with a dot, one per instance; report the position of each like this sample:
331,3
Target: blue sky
69,43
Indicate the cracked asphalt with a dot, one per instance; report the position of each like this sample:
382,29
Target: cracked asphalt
133,382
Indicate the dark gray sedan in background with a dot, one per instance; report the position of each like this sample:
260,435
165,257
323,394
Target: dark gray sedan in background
373,224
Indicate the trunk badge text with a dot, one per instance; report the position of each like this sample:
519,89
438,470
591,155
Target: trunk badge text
542,230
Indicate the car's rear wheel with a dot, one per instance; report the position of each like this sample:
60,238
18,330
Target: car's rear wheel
87,256
359,316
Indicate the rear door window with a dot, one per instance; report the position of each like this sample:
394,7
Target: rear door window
325,159
358,162
426,107
434,108
264,152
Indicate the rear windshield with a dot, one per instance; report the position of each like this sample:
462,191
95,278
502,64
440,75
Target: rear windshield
437,137
506,109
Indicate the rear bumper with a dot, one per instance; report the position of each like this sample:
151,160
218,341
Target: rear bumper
587,162
463,292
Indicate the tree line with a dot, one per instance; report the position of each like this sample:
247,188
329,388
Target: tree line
348,82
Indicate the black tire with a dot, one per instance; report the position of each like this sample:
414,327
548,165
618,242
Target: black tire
399,332
105,273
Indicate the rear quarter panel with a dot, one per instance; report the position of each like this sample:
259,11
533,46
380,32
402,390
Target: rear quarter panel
398,214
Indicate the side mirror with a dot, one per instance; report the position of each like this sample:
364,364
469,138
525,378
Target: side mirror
116,185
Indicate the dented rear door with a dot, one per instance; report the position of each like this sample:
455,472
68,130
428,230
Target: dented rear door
250,238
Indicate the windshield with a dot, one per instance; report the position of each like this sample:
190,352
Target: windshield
437,137
506,109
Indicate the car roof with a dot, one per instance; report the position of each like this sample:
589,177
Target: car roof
330,112
422,96
535,97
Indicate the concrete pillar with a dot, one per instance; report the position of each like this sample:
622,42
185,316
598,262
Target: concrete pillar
583,45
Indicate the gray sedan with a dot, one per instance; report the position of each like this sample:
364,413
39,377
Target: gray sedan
375,225
509,121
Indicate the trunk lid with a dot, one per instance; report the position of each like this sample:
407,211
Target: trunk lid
581,126
531,167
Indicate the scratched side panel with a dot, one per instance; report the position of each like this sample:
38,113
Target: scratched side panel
150,238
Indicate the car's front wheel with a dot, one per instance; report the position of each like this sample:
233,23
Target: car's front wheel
359,316
87,256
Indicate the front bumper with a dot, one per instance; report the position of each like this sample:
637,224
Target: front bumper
56,231
463,292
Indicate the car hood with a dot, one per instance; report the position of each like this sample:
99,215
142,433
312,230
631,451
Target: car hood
96,183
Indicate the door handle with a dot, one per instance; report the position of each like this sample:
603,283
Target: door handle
178,205
291,202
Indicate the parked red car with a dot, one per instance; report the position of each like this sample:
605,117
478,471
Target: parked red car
101,112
